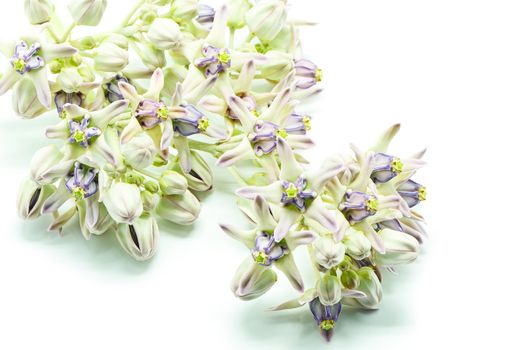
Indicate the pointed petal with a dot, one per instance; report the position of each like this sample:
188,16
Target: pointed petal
287,265
242,151
40,80
104,116
56,200
52,51
264,219
290,168
319,213
247,237
216,36
271,192
287,219
9,79
238,107
297,238
308,296
386,138
156,85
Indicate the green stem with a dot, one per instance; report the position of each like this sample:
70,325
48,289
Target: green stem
127,19
249,37
68,32
238,177
232,37
52,34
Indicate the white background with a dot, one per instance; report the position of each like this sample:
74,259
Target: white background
453,72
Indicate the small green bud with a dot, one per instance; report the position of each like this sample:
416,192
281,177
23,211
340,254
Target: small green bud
151,186
75,60
350,279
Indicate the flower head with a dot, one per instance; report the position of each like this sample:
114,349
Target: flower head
82,183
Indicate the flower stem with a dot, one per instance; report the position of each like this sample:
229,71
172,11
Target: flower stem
238,177
132,12
68,31
232,37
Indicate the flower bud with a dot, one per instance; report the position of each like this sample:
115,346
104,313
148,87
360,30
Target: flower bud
110,58
328,253
38,11
25,101
31,197
164,33
123,202
236,14
69,80
252,280
267,18
329,290
43,160
277,66
184,9
180,209
358,246
117,39
172,182
140,238
200,178
349,279
400,248
371,286
87,12
85,43
139,152
152,57
150,200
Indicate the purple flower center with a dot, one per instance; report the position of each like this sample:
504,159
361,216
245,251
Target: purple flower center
358,206
150,113
215,60
81,133
25,57
82,183
296,194
266,250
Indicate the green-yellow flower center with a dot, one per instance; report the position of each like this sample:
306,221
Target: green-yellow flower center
318,75
372,204
327,325
260,257
163,112
224,57
307,121
422,193
397,165
282,133
19,65
291,191
203,124
78,193
79,136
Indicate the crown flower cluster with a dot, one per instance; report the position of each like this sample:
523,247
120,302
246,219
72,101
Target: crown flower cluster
142,115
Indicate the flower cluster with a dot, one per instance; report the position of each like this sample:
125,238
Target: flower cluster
355,214
140,109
